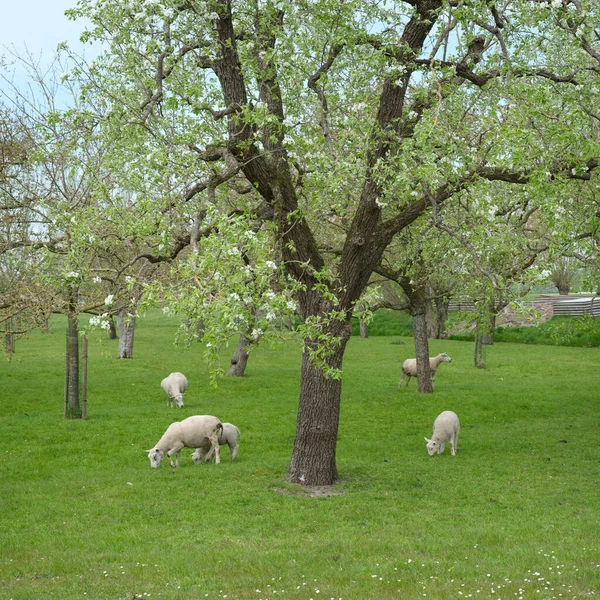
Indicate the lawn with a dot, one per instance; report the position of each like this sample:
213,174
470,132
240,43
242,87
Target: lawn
514,515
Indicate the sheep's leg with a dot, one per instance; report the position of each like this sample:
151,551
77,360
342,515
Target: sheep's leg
176,449
233,448
401,379
441,447
454,442
213,438
408,376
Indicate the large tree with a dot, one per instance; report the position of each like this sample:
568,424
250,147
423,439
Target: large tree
349,121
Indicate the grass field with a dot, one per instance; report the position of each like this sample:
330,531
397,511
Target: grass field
516,514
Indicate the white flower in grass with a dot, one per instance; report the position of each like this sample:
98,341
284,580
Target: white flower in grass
97,279
109,299
271,264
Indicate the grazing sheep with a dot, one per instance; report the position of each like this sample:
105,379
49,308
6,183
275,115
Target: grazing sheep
175,385
445,427
193,432
230,436
409,367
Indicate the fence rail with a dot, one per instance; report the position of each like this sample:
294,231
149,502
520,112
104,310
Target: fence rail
562,305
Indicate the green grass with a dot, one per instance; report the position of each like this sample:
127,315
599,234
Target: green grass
516,511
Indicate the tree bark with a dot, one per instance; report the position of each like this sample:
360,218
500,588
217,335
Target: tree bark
112,330
564,290
425,384
441,317
364,329
72,409
127,327
314,455
9,337
430,319
240,358
478,359
487,337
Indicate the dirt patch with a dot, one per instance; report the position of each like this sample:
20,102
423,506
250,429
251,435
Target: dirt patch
310,491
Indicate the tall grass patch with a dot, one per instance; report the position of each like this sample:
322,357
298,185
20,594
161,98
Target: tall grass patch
513,515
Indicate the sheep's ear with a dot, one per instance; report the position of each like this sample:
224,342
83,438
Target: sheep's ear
427,440
148,451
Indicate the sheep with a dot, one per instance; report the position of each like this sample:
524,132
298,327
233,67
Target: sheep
445,427
175,385
230,436
193,432
409,367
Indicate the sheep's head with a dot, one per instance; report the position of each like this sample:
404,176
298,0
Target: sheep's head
432,447
445,357
155,455
178,400
197,458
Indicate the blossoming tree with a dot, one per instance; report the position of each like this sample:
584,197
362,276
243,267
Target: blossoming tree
337,125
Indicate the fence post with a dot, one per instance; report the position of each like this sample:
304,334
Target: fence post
84,365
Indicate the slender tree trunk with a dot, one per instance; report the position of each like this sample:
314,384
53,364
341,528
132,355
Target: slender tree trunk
73,410
564,290
364,329
478,358
430,319
314,455
240,358
488,336
112,329
441,317
127,326
9,337
84,374
425,385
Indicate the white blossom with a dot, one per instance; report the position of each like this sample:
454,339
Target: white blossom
271,264
109,299
97,279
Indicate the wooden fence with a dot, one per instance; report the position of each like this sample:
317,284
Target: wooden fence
562,305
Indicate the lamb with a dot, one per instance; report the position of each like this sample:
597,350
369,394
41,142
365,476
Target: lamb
193,432
175,385
230,436
409,367
445,427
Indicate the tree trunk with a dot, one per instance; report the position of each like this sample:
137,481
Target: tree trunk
430,319
112,330
127,326
313,458
441,317
9,337
478,358
487,337
72,410
240,358
564,289
425,384
364,329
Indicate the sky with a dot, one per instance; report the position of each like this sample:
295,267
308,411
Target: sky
38,25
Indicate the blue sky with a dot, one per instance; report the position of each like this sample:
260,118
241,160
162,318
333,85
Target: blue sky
38,25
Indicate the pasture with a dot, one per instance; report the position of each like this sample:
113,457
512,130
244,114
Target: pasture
514,515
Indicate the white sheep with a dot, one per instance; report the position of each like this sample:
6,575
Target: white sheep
175,385
230,436
445,427
193,432
409,367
